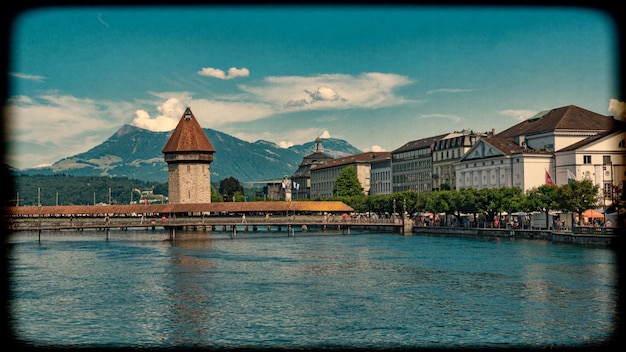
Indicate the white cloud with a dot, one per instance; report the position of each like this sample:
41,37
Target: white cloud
618,109
170,113
519,115
284,144
44,129
337,91
375,148
35,78
233,73
323,93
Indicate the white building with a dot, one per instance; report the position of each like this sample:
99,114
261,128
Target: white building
600,158
541,149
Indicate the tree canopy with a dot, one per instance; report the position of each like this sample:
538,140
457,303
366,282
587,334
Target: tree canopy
229,187
347,183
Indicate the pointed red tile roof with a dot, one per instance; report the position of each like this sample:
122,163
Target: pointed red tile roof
188,136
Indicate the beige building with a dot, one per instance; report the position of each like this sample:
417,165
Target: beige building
323,176
188,154
447,151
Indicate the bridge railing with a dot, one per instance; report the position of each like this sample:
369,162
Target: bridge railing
138,221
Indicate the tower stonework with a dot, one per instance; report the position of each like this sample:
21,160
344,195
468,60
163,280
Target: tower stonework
188,154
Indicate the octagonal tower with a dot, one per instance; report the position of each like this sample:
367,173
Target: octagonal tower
188,154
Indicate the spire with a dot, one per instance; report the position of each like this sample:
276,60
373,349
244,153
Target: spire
318,145
188,136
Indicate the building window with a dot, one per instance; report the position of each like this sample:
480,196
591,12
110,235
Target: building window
586,159
606,160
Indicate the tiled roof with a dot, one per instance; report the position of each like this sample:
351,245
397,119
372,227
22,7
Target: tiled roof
505,145
419,143
565,118
352,159
188,136
231,207
621,127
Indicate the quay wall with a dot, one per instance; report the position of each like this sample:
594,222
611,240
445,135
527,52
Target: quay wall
603,238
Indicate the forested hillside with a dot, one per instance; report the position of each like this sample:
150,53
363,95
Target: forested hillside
79,190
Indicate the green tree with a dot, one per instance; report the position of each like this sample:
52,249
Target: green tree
578,196
437,202
347,184
215,196
469,202
228,187
543,198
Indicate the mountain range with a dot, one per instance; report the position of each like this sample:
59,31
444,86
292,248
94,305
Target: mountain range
136,153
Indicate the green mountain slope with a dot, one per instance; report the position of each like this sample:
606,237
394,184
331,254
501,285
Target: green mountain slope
136,153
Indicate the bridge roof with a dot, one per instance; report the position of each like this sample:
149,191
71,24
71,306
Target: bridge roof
229,207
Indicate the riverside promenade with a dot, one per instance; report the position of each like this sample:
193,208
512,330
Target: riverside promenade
584,235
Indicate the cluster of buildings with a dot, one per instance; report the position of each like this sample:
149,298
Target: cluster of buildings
552,147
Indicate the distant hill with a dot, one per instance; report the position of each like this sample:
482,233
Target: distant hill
136,153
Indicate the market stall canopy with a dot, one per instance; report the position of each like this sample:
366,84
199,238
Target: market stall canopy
590,213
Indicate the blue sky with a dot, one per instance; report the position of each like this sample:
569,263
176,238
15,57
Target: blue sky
377,77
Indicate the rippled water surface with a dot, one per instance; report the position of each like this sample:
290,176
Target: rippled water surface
361,290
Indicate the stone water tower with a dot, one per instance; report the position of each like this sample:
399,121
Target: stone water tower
188,154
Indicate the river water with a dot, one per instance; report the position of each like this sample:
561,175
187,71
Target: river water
368,290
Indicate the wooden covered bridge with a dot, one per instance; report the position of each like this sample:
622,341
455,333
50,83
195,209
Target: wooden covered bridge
226,215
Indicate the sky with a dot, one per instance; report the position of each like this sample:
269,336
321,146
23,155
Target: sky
375,76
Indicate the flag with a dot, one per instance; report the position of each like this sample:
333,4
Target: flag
549,181
570,177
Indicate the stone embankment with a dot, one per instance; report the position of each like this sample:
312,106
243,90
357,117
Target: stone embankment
588,236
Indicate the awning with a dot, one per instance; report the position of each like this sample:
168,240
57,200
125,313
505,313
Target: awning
590,213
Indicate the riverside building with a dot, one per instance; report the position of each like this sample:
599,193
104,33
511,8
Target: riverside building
552,147
447,151
323,176
412,165
301,179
